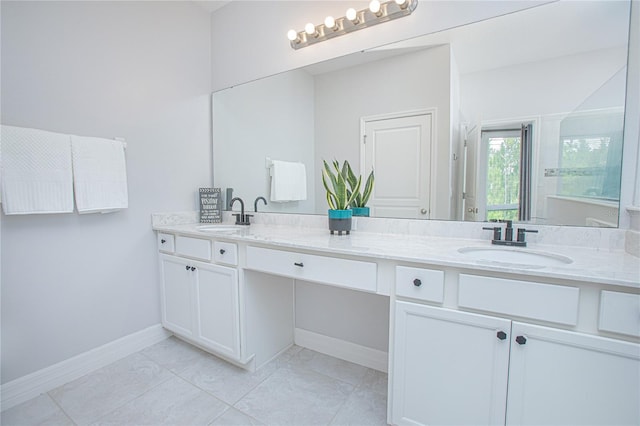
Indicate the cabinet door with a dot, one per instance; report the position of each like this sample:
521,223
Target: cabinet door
217,309
449,367
176,295
562,377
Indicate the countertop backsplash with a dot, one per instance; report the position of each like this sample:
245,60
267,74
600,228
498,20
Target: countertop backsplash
610,239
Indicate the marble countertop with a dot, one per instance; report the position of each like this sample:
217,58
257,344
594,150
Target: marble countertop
612,267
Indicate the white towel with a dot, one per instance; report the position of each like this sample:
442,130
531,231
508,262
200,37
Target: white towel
288,181
99,174
36,171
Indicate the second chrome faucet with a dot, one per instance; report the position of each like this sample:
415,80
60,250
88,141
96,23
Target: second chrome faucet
508,234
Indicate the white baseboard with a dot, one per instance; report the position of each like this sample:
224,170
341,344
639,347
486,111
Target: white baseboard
348,351
24,388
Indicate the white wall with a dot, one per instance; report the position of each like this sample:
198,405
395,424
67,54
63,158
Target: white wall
354,316
525,90
265,118
424,84
138,70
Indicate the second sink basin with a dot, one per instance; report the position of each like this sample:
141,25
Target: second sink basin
515,256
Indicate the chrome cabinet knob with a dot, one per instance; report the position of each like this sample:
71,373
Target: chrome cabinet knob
423,211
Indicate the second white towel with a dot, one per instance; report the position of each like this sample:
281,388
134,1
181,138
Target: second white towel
99,174
288,181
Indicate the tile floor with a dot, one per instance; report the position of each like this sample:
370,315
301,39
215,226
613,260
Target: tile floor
173,383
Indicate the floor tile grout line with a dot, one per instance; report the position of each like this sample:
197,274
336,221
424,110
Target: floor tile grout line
57,404
220,415
341,407
336,378
203,390
254,388
177,374
234,408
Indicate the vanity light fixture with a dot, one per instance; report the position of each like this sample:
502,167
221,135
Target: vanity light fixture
292,35
377,12
311,30
376,8
352,15
330,23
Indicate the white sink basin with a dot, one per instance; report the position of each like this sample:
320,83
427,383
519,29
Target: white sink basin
514,256
213,228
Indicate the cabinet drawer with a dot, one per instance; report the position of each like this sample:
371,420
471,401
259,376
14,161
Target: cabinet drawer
418,283
353,274
225,253
193,247
620,313
166,243
545,302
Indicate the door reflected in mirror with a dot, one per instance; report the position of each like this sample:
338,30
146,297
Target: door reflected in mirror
558,70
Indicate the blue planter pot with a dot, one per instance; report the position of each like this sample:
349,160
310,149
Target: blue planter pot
360,211
340,221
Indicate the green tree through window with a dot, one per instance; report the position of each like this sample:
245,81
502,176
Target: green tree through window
503,177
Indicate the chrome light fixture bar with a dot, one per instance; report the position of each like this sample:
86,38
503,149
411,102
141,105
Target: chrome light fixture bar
376,13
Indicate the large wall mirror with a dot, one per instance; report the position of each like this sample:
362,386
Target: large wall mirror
519,117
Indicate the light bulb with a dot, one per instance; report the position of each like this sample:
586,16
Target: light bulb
374,7
292,35
329,22
310,28
402,3
352,15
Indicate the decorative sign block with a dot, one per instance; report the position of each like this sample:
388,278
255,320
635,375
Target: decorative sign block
210,205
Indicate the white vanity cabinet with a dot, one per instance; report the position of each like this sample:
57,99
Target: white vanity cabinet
454,367
449,367
199,302
563,377
177,294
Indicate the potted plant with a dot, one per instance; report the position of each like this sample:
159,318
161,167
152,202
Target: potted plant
339,197
359,203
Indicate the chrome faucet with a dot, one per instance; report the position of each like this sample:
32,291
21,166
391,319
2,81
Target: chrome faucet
241,218
508,234
255,203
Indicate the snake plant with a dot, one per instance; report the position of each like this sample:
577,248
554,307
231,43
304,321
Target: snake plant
361,199
335,181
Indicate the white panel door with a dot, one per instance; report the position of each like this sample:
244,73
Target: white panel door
558,377
449,367
217,308
176,294
399,151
